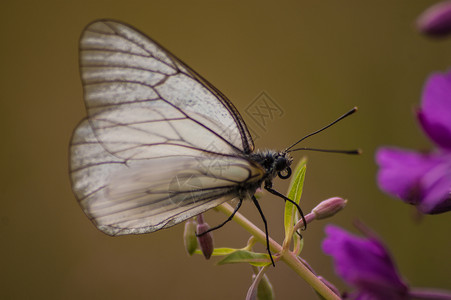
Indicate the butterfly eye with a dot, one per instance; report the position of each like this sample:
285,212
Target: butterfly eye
285,173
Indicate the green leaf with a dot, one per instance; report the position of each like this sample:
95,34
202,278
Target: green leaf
261,288
244,256
223,251
294,193
219,251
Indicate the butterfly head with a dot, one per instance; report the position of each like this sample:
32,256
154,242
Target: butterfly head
275,163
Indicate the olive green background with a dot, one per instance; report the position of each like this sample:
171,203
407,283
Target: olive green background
315,60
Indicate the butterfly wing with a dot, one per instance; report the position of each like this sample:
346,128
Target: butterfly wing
152,123
133,88
140,196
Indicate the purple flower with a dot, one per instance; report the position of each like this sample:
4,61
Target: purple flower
424,179
435,112
365,264
436,20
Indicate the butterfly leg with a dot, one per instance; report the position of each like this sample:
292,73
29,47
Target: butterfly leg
226,221
266,227
274,192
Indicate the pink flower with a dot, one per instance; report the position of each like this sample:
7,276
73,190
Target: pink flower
365,264
423,179
436,20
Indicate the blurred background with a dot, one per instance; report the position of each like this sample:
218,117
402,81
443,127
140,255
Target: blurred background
314,60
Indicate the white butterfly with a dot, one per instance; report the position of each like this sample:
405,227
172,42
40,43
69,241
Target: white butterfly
160,144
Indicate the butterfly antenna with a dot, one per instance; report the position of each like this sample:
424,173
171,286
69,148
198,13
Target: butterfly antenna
353,110
354,151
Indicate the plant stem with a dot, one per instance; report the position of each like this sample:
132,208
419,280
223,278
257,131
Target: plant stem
286,256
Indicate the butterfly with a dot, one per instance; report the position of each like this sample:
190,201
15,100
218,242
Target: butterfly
159,144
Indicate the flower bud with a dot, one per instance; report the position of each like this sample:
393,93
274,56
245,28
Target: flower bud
329,207
261,287
189,236
265,290
205,240
258,193
436,20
